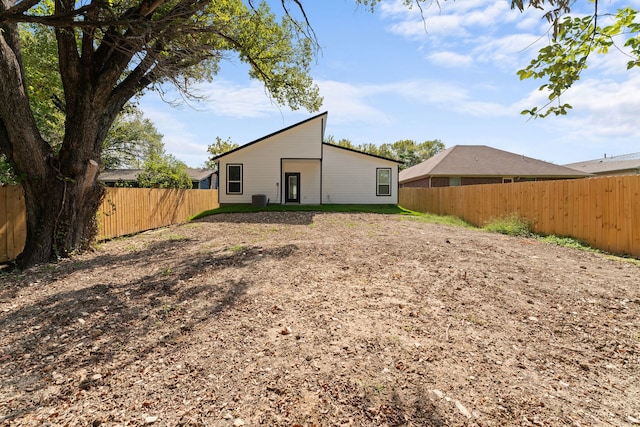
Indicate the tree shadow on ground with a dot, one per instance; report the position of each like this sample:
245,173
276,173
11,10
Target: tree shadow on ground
49,348
289,218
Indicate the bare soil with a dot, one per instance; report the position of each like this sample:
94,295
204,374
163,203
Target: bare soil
306,319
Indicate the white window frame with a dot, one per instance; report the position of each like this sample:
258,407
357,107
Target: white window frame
378,183
229,181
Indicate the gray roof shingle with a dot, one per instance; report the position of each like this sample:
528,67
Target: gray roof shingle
617,164
484,161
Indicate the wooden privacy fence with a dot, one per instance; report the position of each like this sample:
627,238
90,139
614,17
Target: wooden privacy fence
13,222
123,211
131,210
602,212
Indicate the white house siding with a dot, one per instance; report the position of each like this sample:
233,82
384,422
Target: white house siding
309,179
261,161
349,177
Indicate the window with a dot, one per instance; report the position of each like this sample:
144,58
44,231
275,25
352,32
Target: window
383,182
454,181
234,179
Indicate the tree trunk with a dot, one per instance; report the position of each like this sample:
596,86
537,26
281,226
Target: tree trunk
63,222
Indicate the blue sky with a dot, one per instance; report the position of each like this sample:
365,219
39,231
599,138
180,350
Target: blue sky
384,78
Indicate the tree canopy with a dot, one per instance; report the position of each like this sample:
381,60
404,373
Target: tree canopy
407,151
108,52
131,141
163,170
219,147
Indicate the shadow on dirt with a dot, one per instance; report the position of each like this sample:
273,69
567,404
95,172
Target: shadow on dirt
50,348
289,218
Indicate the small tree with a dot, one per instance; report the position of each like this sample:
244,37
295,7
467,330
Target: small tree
132,139
219,147
411,153
164,171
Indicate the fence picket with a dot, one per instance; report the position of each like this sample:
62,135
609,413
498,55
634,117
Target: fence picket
123,211
603,212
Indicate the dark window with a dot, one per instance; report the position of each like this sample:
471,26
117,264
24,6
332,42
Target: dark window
234,179
383,182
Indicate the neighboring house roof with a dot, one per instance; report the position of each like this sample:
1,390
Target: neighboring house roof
483,161
275,133
629,163
200,174
115,175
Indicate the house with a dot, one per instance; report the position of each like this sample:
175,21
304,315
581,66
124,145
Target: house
480,164
295,166
627,164
202,179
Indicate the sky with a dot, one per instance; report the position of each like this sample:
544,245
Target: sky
389,75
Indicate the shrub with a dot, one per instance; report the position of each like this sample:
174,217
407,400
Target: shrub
512,225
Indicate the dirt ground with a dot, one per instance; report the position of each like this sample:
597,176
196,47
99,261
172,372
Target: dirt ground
303,319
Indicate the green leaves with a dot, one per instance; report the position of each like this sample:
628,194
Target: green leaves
219,147
131,140
7,175
164,171
562,62
406,150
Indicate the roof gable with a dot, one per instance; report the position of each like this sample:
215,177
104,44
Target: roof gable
481,160
321,115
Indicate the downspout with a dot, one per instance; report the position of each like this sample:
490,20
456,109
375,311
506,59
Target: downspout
321,170
322,125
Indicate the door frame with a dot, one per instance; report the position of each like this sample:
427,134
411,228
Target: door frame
286,187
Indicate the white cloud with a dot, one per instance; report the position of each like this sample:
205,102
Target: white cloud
351,102
450,59
610,108
359,102
417,29
230,99
448,19
602,109
486,30
509,52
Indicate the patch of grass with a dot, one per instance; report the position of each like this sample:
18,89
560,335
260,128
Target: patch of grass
442,219
379,388
237,248
175,237
568,242
628,259
512,225
476,320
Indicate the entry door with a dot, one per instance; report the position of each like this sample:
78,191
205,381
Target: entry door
292,187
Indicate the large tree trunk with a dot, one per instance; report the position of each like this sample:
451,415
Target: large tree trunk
64,221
